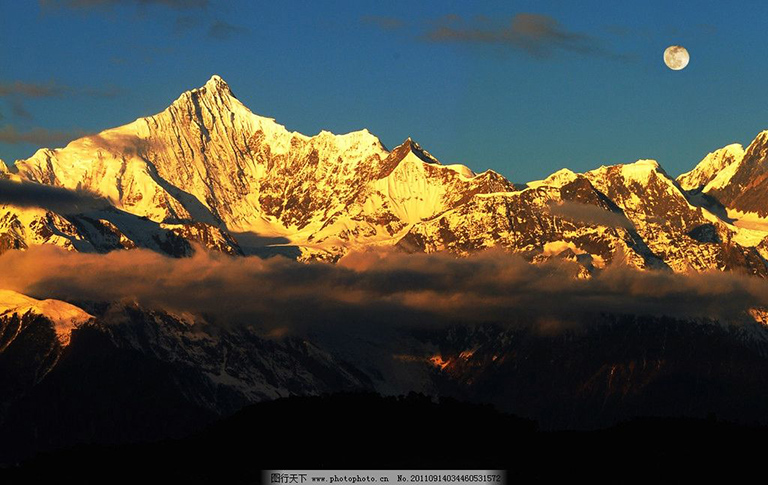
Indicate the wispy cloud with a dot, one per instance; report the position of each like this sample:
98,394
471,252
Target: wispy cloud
539,36
96,4
18,91
18,110
590,214
383,22
37,136
192,15
32,90
21,89
222,30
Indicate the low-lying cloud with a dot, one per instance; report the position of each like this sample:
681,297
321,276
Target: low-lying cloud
118,143
373,288
57,199
589,214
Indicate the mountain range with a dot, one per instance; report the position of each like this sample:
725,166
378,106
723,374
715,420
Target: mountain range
208,174
209,171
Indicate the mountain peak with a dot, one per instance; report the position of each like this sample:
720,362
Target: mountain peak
763,135
757,146
214,88
644,164
560,178
410,146
641,171
400,152
711,171
216,83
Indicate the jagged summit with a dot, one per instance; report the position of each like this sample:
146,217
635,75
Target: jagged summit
743,185
210,171
647,163
416,149
639,166
714,170
760,139
217,81
401,152
214,93
558,179
362,138
640,172
215,99
215,85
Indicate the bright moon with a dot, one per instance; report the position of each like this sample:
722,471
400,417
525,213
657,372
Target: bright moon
676,57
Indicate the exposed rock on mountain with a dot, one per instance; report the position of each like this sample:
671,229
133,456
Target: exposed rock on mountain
208,171
743,187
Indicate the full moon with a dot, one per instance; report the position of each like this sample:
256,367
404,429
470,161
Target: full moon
676,57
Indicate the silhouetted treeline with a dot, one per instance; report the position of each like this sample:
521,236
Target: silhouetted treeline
367,431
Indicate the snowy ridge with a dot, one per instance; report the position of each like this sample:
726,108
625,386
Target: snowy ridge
209,159
22,227
558,179
742,185
714,170
208,171
64,316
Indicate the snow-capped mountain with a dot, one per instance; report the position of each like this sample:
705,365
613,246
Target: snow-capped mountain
741,185
163,373
736,190
715,170
209,171
132,374
208,160
236,365
63,316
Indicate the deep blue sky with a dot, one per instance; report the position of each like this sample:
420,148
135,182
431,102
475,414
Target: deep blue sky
577,84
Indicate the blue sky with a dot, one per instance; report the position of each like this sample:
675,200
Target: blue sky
522,87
